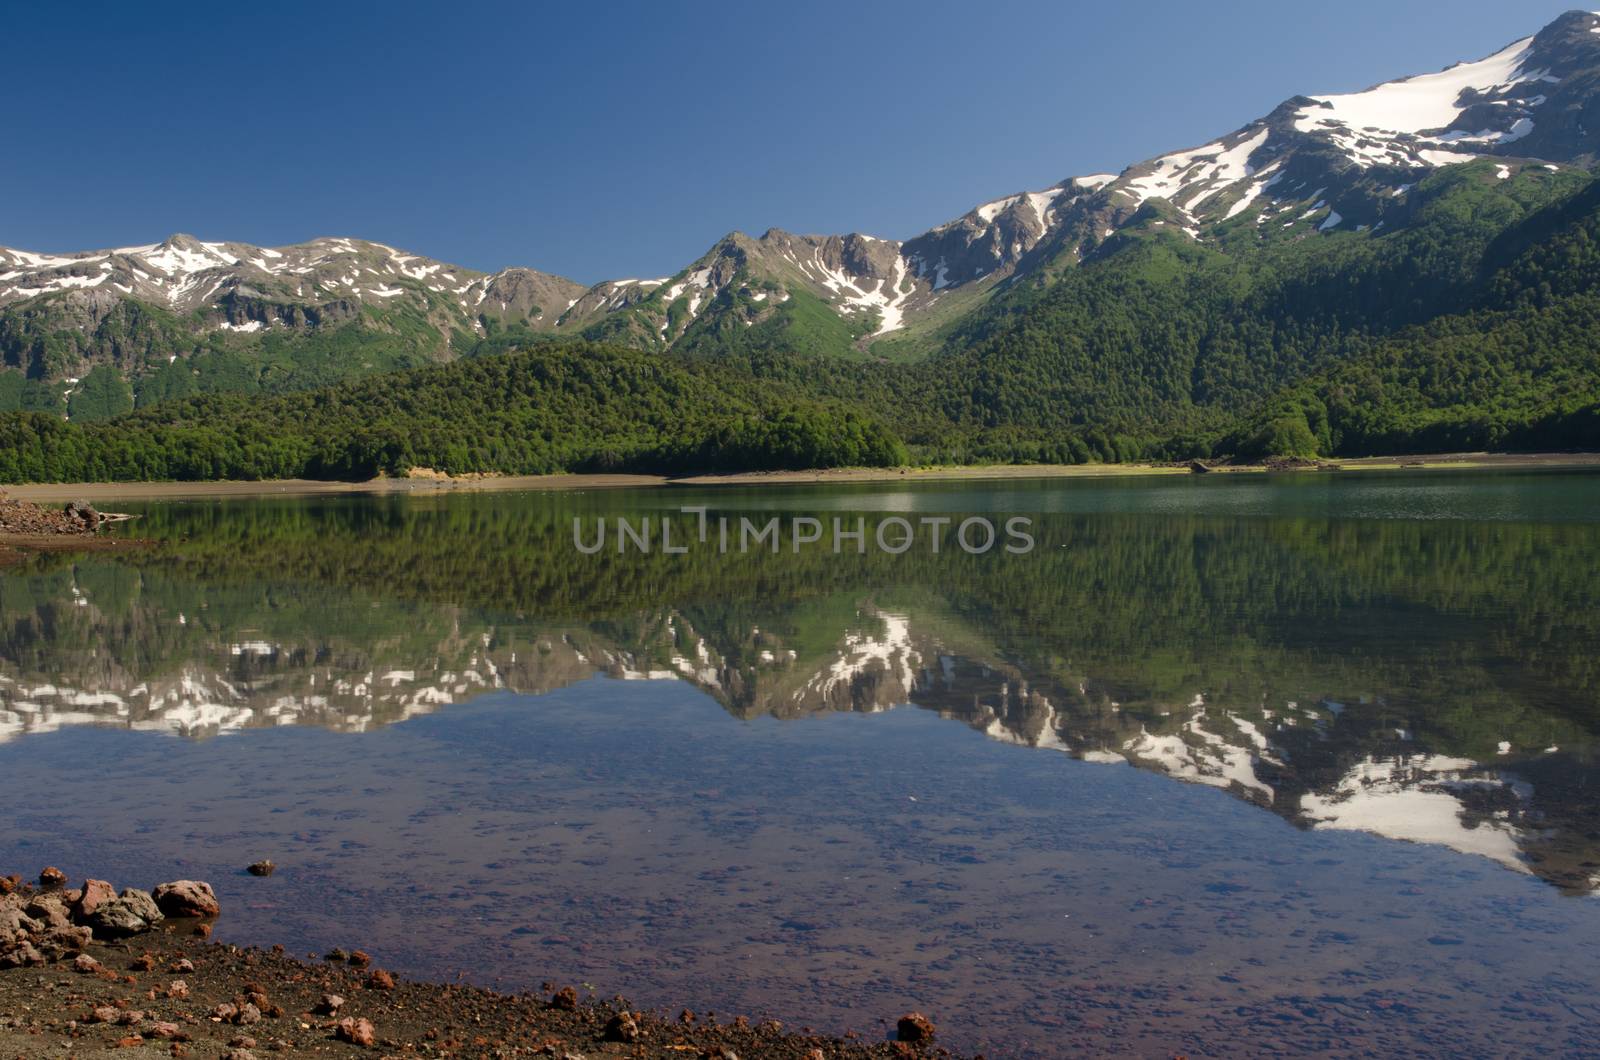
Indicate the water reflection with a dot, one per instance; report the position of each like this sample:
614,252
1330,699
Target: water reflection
1429,680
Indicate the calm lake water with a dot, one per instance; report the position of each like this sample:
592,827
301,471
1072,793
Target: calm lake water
1219,767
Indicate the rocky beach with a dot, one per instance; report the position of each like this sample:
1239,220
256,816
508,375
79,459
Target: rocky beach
95,971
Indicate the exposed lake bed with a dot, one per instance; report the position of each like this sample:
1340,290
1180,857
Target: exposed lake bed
1361,713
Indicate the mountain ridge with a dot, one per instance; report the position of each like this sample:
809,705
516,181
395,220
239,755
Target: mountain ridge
1315,166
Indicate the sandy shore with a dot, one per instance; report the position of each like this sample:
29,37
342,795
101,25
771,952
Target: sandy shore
99,492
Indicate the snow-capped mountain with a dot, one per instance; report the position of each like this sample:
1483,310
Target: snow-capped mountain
1316,166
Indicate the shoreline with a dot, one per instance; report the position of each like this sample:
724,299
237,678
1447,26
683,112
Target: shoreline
57,493
86,971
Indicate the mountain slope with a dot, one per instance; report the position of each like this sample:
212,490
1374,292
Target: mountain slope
1186,287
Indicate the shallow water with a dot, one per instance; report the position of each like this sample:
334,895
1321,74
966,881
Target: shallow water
1219,767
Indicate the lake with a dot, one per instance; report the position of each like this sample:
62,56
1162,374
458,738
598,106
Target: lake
1215,766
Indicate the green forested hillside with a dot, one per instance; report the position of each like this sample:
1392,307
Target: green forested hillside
567,407
1474,325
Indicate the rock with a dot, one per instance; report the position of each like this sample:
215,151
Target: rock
143,904
84,964
20,956
380,980
181,966
202,930
238,1054
915,1027
165,1031
358,959
83,513
565,998
226,1012
59,941
16,926
102,1014
261,868
330,1004
192,898
118,919
355,1031
1198,467
143,963
95,894
178,990
49,910
51,876
248,1014
243,1041
622,1028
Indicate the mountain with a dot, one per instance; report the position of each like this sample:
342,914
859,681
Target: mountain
1173,298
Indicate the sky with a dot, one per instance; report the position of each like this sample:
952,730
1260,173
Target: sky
610,140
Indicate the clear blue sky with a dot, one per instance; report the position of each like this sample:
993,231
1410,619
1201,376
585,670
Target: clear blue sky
603,140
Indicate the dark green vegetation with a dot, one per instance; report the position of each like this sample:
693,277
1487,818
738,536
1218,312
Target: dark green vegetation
568,407
1472,323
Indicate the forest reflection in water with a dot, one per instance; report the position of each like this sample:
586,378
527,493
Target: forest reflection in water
1428,679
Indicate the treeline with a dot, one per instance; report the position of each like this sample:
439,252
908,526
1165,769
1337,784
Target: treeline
563,408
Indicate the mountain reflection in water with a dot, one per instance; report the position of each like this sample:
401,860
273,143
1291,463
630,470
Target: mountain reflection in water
1430,680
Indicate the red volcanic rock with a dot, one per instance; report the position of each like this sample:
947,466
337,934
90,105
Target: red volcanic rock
622,1028
187,898
262,868
565,998
356,1031
52,877
359,959
915,1027
380,980
95,894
